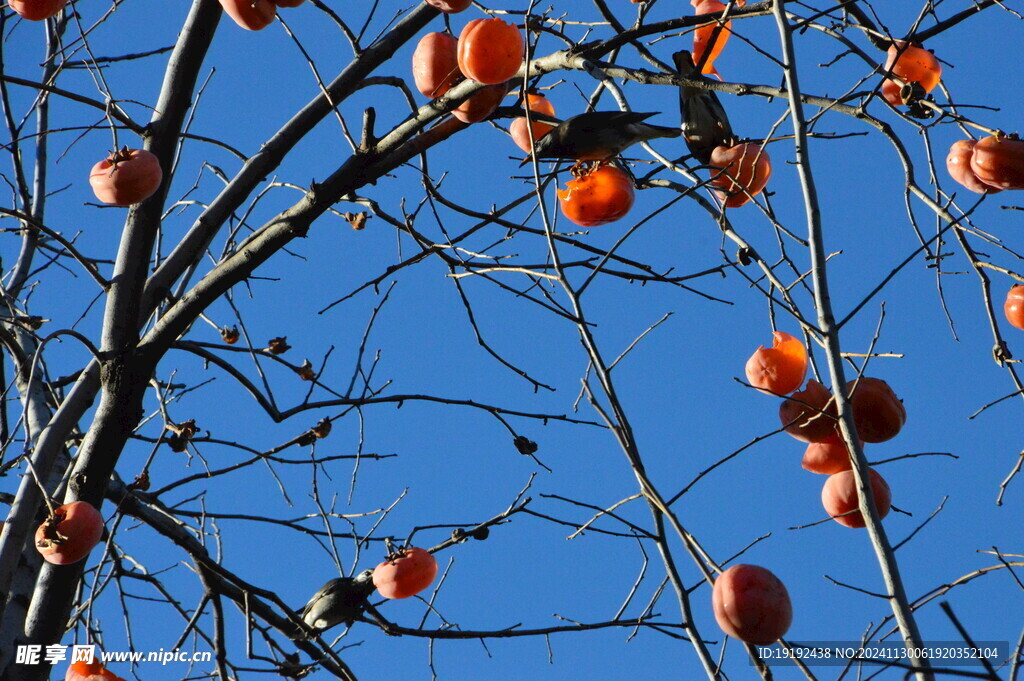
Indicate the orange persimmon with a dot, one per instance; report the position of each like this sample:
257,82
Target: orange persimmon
751,604
481,105
70,533
740,172
601,196
523,139
809,414
998,161
827,457
125,177
435,64
36,10
839,497
405,574
490,50
779,369
89,671
958,164
702,35
878,414
913,64
252,15
450,6
1013,308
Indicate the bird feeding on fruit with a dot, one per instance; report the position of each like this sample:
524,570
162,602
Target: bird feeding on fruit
599,135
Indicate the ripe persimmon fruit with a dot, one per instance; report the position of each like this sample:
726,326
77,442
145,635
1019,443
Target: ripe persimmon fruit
839,497
877,413
598,197
998,161
1013,308
751,604
523,139
958,164
252,15
740,172
435,64
126,177
779,369
809,414
490,50
406,574
70,533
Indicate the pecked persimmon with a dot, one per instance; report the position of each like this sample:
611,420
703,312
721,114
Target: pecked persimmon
958,164
740,172
877,412
435,64
601,196
490,50
809,414
779,369
252,15
702,35
288,3
913,64
125,177
1014,306
751,604
522,138
405,574
70,533
998,161
89,671
839,497
481,105
827,457
36,10
450,6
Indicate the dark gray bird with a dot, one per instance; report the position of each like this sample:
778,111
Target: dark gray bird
705,123
599,135
340,600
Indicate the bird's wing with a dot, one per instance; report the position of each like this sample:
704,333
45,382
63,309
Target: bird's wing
327,588
596,121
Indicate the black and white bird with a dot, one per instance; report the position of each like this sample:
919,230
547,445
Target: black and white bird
705,123
340,600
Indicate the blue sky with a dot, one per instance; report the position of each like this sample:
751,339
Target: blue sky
457,465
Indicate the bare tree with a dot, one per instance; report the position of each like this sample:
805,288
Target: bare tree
146,378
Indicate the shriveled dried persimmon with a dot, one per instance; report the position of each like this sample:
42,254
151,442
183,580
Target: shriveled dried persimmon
598,197
779,369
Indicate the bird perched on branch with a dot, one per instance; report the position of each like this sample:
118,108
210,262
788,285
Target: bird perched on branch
599,135
340,600
705,123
